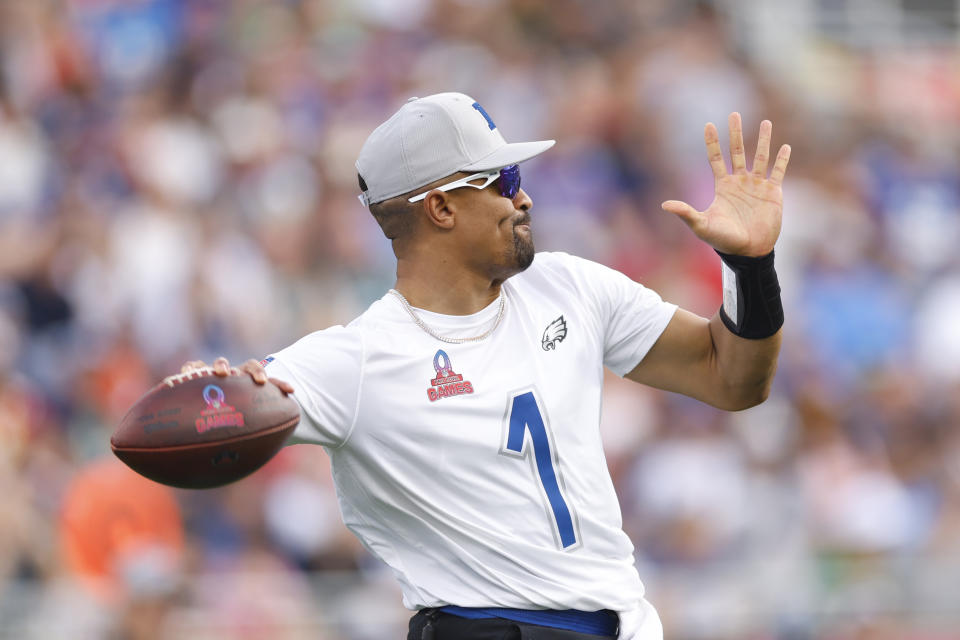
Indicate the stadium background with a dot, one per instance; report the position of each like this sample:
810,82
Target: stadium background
176,180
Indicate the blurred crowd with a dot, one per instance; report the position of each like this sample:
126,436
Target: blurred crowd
177,181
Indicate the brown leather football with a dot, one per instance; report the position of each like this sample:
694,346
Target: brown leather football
197,430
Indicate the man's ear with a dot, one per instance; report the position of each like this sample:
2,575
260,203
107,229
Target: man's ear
440,209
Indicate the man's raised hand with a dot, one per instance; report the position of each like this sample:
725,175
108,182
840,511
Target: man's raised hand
747,209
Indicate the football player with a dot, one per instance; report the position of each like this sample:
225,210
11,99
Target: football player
461,410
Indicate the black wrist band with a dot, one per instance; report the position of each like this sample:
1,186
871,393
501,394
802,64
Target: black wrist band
751,296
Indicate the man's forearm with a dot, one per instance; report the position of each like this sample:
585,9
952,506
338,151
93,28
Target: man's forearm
746,366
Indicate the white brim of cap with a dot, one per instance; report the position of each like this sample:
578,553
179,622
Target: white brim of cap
510,153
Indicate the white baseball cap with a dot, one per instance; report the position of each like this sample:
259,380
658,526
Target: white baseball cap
433,137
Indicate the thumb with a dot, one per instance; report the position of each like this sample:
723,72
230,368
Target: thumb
682,210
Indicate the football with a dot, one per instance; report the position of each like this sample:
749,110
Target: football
197,430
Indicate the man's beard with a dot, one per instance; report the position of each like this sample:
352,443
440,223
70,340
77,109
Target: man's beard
521,254
518,256
523,250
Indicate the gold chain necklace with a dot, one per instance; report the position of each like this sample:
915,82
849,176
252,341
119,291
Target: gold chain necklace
423,325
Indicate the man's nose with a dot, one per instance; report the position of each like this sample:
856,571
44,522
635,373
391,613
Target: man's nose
522,201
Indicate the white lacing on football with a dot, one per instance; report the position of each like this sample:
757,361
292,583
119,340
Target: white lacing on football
179,378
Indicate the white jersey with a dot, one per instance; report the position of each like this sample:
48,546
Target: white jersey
475,470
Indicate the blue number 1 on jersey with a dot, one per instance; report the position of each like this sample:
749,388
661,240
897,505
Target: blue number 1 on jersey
524,414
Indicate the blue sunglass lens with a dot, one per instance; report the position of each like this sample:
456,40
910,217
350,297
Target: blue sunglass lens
510,181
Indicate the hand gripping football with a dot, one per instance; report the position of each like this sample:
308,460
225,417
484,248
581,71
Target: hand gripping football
198,430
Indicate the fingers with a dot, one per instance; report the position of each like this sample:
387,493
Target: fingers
221,366
683,211
780,165
255,370
762,157
738,161
714,153
191,365
286,387
738,158
259,376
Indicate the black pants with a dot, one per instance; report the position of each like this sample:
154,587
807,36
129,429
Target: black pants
431,624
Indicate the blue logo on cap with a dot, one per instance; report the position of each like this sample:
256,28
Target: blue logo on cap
486,116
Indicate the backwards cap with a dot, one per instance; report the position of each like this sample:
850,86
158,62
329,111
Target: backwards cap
433,137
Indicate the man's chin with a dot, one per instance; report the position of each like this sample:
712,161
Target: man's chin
518,258
524,253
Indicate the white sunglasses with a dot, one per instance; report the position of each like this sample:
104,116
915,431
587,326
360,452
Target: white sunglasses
508,187
489,176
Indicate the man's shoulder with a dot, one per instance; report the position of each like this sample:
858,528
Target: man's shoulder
345,337
546,263
552,259
555,268
378,316
347,340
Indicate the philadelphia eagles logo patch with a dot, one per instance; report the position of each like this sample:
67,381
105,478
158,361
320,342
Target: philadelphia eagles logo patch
555,332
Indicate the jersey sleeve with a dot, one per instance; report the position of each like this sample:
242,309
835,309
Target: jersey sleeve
630,316
325,369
